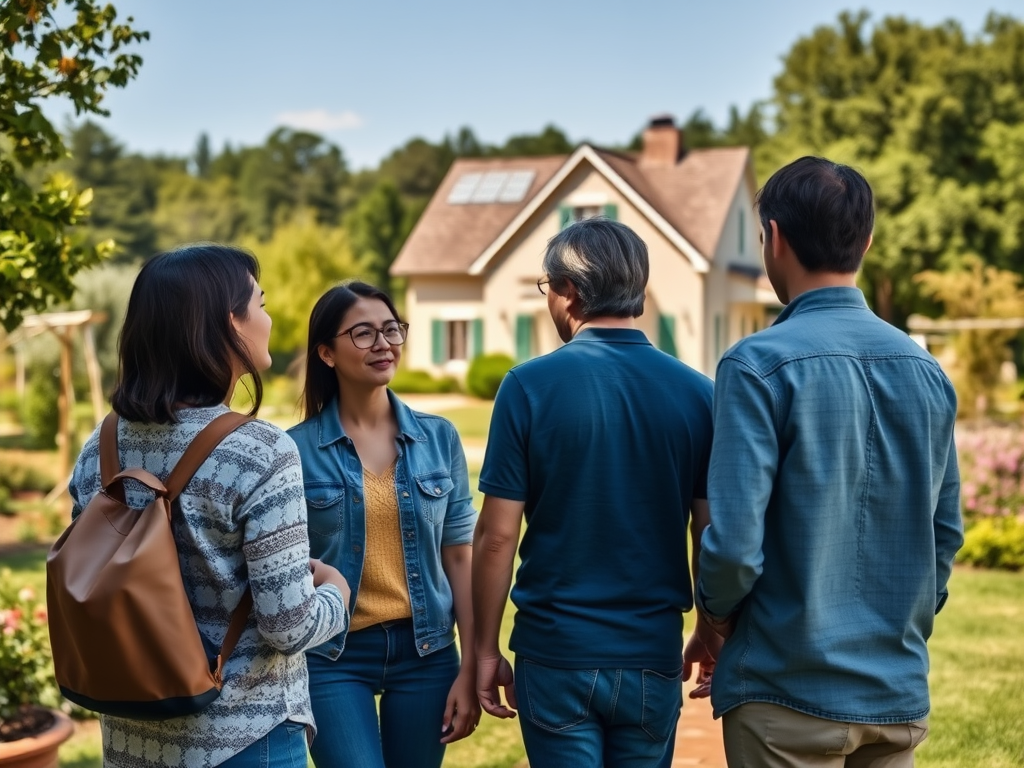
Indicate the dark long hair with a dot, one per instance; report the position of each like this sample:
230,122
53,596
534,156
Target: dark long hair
177,344
321,383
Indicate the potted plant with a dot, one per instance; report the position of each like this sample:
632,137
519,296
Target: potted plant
32,728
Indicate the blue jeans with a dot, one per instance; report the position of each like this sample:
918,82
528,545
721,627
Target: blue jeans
283,747
413,690
587,718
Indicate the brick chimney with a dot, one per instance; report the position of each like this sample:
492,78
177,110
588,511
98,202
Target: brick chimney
662,144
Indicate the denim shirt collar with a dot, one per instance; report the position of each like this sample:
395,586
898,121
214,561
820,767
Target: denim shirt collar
331,430
614,335
823,298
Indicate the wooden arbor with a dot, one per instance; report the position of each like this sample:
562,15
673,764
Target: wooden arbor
65,326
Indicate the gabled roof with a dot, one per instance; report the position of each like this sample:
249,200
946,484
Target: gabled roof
689,202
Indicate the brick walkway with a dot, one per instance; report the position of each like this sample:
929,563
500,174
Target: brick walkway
699,736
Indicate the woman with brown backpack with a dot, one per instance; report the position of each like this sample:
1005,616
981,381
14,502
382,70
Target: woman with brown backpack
194,325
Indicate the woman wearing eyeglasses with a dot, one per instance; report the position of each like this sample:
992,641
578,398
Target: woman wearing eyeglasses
389,505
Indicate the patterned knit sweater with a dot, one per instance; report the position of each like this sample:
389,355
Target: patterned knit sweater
241,521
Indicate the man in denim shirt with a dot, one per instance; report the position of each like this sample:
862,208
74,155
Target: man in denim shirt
603,445
834,496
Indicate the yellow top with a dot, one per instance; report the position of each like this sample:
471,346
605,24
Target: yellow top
383,589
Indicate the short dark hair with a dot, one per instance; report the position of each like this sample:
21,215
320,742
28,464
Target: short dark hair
606,261
178,345
321,385
824,209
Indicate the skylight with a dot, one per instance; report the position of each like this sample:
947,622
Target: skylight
491,187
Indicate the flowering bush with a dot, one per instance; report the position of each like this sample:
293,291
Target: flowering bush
26,667
992,493
992,472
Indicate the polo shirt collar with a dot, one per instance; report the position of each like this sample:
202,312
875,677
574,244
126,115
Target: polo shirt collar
613,335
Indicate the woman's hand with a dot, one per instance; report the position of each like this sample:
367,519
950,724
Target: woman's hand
462,711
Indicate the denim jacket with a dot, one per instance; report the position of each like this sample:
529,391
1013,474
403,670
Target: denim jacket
835,513
434,503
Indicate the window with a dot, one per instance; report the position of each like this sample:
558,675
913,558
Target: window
570,214
457,340
667,335
524,337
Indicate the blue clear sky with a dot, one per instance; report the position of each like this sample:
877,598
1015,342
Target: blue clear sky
372,74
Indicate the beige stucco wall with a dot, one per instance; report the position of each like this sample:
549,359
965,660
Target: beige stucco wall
674,287
433,297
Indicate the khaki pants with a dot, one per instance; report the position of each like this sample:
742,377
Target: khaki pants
759,735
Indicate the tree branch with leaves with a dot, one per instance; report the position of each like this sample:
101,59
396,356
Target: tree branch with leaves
74,49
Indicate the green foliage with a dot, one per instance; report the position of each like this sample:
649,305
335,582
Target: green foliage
994,542
421,382
931,117
485,374
301,260
378,227
976,291
77,60
16,476
39,414
26,667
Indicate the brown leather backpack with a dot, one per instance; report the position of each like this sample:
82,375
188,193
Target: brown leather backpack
124,637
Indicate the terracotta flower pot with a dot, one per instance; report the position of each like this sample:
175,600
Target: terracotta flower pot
39,751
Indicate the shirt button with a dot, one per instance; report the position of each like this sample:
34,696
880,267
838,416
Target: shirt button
405,494
408,534
437,489
356,499
415,575
425,646
356,548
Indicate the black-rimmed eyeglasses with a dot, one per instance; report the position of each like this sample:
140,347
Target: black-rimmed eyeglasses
364,335
540,285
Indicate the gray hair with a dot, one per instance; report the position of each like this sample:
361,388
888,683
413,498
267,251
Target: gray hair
606,261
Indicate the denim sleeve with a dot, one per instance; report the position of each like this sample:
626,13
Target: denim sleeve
460,518
505,473
744,459
949,527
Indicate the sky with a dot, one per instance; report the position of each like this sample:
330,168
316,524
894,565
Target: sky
370,75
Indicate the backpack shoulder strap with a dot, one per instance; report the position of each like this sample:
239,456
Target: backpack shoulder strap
110,462
199,450
110,459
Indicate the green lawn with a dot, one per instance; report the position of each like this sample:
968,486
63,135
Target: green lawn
977,666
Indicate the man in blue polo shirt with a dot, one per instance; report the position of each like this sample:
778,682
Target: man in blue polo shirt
604,446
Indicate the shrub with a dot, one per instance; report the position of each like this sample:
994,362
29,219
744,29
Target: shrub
485,374
26,669
16,477
992,472
996,542
40,415
422,383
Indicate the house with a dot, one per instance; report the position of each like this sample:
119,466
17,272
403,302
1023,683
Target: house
473,260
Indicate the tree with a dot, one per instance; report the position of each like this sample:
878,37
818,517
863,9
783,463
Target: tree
977,291
550,141
202,157
298,263
39,58
378,226
931,117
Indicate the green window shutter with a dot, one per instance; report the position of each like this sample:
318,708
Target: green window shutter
667,334
564,217
743,231
437,336
524,337
478,337
611,212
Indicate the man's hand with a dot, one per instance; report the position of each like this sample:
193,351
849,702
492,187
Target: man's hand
703,649
493,672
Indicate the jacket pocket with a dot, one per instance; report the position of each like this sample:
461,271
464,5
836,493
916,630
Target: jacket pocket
434,490
325,507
